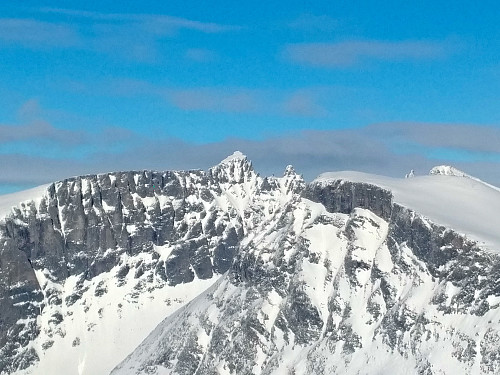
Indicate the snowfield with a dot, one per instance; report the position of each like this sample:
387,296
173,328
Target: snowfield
8,201
467,205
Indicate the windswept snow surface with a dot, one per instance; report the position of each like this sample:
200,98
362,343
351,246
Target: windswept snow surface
467,205
8,201
447,170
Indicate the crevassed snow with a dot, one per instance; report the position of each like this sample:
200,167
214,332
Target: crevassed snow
8,201
465,205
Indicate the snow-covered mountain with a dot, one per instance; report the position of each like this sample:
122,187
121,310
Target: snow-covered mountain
227,272
447,170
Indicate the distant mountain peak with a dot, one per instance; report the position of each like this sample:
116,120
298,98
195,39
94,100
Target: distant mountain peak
236,168
292,181
289,171
447,170
237,155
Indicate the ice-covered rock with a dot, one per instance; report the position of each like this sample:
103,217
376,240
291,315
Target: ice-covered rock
447,170
410,174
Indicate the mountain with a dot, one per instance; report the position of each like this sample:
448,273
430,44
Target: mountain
447,170
228,272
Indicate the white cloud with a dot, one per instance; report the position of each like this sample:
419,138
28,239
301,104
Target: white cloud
34,33
213,99
303,104
201,55
353,52
156,24
311,152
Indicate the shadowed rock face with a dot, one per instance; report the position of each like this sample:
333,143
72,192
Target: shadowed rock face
20,298
83,225
343,196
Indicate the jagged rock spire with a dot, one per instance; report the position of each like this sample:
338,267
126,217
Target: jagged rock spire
289,171
292,181
236,168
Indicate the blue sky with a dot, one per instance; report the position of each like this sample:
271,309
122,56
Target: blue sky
381,88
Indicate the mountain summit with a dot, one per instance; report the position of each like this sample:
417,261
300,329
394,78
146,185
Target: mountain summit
228,272
237,155
447,170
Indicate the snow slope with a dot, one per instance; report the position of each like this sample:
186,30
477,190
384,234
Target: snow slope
8,201
319,292
447,170
91,318
310,289
466,205
98,332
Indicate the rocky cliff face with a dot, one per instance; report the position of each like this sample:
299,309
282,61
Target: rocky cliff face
312,278
140,231
346,281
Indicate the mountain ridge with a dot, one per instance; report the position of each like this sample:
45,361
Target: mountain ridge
137,246
336,303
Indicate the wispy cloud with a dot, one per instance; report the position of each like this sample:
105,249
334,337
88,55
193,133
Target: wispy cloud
213,99
30,110
315,22
367,149
303,104
311,152
353,52
39,131
37,34
136,37
466,137
156,24
299,103
201,55
33,128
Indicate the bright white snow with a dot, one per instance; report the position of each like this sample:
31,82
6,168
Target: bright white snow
8,201
98,332
465,205
447,170
237,155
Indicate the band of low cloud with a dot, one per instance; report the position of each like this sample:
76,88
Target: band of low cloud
371,149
